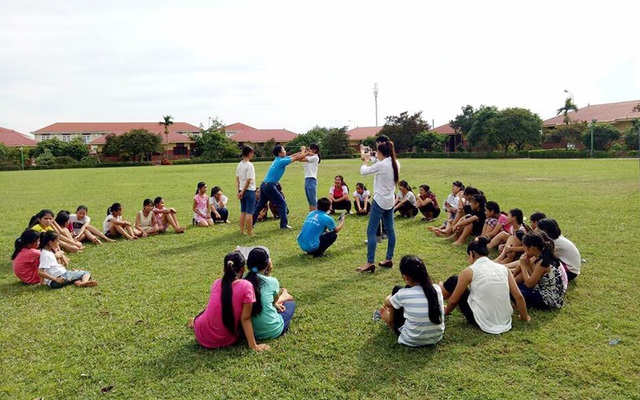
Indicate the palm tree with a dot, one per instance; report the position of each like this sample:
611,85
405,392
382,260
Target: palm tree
568,106
167,121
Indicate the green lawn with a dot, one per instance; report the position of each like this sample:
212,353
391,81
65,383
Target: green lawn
130,332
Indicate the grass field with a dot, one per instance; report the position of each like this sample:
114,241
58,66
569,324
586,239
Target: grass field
129,333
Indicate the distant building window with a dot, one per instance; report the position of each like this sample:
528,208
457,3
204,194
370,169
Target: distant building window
180,150
45,136
86,138
66,138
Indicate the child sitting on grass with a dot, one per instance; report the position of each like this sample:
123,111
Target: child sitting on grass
44,222
166,216
274,307
228,313
83,230
55,275
146,222
26,257
115,226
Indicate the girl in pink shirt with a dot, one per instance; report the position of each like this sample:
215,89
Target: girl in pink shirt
229,307
26,257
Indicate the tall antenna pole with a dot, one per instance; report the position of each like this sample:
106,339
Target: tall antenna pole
375,98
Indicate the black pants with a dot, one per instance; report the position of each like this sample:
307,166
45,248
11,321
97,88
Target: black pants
341,205
224,215
408,210
429,208
398,315
463,304
326,240
363,205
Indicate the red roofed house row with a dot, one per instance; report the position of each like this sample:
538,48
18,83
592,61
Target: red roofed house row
618,114
242,133
454,139
177,143
11,138
357,135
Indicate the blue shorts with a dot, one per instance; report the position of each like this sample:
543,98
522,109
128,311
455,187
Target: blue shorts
248,202
70,277
311,190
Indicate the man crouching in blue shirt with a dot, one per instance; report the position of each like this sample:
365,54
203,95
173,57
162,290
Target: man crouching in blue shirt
319,231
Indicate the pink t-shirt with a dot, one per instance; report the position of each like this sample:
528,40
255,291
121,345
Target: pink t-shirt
504,220
208,326
25,265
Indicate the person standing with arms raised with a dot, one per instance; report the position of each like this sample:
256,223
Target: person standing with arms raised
385,178
268,190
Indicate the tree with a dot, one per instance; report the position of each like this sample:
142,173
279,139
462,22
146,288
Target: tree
403,129
631,134
564,110
76,149
336,141
571,134
462,123
139,142
369,141
112,146
479,133
166,121
314,135
429,141
515,126
603,136
213,143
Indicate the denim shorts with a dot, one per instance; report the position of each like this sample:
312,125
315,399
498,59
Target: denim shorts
70,277
248,202
311,190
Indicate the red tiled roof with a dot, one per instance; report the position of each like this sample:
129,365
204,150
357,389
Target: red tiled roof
364,132
444,130
609,112
116,127
244,133
11,138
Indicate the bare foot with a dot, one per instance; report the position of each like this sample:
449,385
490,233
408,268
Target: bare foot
285,296
456,243
191,323
86,284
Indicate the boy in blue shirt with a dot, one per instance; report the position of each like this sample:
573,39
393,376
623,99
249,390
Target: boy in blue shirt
268,190
319,231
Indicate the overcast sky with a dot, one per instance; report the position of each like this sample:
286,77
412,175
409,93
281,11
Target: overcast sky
297,64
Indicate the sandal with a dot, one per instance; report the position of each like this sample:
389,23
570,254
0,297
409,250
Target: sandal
370,268
386,264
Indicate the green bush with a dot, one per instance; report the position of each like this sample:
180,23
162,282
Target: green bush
182,161
65,161
89,161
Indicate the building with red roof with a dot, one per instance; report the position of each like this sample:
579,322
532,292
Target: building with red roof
618,114
11,138
242,133
176,143
454,139
357,135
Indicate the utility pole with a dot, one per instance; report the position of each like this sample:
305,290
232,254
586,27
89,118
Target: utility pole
375,98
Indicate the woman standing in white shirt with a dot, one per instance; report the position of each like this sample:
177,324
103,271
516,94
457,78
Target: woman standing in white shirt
385,177
246,186
311,162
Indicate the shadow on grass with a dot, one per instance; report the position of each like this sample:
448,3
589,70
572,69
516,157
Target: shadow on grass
19,288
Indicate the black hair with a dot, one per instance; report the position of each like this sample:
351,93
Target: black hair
36,218
470,191
361,185
200,185
541,241
257,260
233,264
157,200
62,218
316,148
46,238
246,150
81,207
479,246
480,199
458,184
426,188
517,214
493,206
146,202
324,204
215,190
405,185
387,150
114,207
29,236
277,149
550,227
537,216
382,139
342,180
414,268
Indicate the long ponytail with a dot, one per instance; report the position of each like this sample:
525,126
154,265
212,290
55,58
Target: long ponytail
233,264
387,150
28,237
257,260
414,268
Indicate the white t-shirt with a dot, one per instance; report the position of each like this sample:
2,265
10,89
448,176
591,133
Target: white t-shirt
244,171
106,225
311,166
489,296
365,193
49,263
453,200
568,253
345,190
77,223
383,183
418,330
216,204
411,198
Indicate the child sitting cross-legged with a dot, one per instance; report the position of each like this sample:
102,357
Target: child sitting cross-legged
55,275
